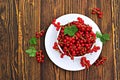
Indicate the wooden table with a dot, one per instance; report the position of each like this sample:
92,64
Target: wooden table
20,19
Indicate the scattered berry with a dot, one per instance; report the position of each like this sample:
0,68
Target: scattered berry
40,56
62,55
98,12
84,62
40,34
37,35
94,49
55,46
57,25
100,61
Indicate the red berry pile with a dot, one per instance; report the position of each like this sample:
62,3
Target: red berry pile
98,12
40,56
79,44
84,62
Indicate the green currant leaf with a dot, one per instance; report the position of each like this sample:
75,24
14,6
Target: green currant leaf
70,30
31,51
102,40
33,41
106,36
28,51
103,37
98,34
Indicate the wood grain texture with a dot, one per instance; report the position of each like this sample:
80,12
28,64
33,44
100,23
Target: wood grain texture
20,19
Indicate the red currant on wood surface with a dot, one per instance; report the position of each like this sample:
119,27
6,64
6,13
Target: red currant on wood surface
101,60
40,56
40,34
98,12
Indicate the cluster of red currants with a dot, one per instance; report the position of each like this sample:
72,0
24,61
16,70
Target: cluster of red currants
40,34
55,46
84,62
94,49
98,12
40,56
100,61
79,44
57,25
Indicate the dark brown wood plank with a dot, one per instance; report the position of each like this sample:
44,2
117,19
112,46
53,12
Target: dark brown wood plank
107,48
103,72
116,37
8,40
47,14
29,23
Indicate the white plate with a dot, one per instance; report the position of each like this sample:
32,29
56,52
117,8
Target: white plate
66,63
